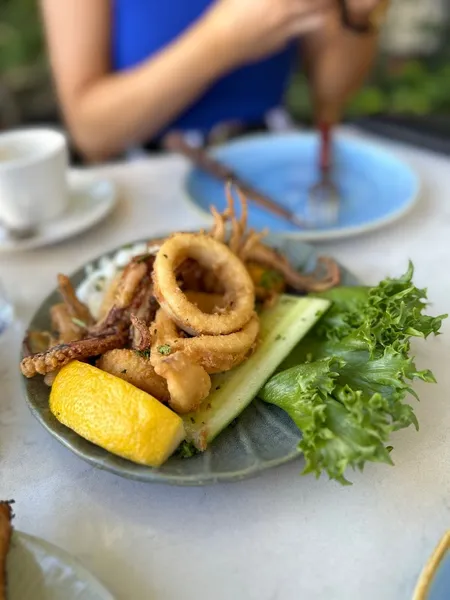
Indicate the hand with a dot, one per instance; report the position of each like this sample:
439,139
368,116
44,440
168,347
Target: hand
249,30
363,11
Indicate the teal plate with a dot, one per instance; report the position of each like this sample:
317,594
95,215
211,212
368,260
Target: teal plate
261,438
37,570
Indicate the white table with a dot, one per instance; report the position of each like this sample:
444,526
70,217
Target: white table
279,536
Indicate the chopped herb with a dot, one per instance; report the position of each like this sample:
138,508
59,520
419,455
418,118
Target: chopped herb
192,420
270,279
186,450
218,388
127,247
164,349
79,323
124,371
165,255
98,287
319,313
143,353
203,423
279,337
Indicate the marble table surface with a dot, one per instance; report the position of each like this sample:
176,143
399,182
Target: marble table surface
278,536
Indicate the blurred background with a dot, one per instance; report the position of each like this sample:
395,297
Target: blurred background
410,86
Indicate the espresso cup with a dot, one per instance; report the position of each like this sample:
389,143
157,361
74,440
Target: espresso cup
33,177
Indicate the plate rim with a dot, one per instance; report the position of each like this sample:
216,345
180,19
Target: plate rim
149,474
316,235
56,551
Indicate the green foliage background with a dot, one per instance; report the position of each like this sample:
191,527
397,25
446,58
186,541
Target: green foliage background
420,87
21,37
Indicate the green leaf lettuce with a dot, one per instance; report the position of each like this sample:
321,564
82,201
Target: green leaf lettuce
346,383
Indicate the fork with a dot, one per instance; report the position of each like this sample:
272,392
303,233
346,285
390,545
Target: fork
323,198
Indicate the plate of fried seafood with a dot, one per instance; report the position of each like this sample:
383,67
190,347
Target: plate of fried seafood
211,356
33,569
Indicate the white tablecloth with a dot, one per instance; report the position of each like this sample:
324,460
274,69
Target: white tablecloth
279,536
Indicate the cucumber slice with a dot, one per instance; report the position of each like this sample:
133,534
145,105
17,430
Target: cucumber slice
281,328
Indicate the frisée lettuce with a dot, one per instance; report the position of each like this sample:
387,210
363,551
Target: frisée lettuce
346,384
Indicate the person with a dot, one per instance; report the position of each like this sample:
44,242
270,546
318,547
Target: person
129,71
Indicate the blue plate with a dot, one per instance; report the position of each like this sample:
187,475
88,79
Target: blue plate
434,581
375,186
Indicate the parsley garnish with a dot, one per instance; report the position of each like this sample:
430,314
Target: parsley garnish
164,349
270,279
186,450
79,323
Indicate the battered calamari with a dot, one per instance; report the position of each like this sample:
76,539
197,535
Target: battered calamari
137,370
176,315
216,257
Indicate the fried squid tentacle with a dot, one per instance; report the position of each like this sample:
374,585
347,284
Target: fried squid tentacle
141,339
66,325
131,292
129,283
37,341
75,308
326,275
60,355
248,247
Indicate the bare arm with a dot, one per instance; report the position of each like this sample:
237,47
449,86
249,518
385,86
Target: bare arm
107,111
337,62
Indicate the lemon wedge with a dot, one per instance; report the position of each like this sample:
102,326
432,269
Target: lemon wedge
115,415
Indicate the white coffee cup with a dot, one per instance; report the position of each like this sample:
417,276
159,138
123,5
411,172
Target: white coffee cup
33,177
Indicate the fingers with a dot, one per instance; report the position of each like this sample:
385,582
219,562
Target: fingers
306,8
302,25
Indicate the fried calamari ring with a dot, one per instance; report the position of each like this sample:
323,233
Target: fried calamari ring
215,353
212,255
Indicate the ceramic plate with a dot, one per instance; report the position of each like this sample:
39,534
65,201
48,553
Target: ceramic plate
434,581
262,437
38,570
376,187
91,200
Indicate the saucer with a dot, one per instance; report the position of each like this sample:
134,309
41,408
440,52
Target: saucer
38,570
92,198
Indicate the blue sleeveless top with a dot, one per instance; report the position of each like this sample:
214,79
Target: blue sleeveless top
142,27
